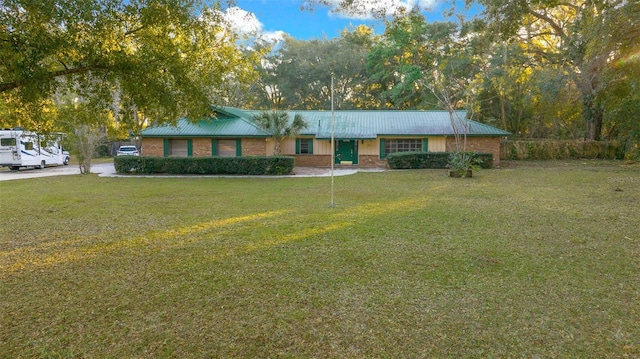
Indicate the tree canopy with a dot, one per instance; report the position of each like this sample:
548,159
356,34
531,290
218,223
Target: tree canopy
541,68
159,59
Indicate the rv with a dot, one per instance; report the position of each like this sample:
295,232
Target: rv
20,148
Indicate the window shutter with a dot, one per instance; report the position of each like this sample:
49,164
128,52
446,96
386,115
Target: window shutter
238,148
165,147
382,148
214,147
425,145
297,146
311,146
189,148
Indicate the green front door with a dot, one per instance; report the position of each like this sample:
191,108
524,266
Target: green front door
346,152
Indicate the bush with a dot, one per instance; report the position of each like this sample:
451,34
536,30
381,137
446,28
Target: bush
434,160
258,165
560,149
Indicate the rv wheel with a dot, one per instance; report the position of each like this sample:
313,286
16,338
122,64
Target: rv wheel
66,161
41,165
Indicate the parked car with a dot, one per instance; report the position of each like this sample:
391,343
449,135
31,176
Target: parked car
128,151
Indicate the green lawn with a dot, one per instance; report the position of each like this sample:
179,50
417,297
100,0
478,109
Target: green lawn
532,260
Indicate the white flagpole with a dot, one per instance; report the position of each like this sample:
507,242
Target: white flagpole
333,147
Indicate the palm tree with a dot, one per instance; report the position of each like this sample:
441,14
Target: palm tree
277,124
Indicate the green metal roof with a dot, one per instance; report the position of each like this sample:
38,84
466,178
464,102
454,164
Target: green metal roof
371,124
232,122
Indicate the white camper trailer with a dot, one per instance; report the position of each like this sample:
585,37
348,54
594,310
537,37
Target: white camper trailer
20,148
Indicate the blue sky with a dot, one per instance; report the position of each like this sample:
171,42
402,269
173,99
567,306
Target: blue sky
286,15
277,16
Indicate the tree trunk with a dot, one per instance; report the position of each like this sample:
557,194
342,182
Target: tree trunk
592,114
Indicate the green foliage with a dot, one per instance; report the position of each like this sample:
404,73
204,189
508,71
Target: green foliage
279,126
298,75
249,165
408,49
141,60
462,162
85,123
583,40
411,160
435,160
559,150
539,69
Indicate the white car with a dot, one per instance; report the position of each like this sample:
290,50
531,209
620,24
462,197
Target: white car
128,151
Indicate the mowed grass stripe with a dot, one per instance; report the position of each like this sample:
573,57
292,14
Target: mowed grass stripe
537,259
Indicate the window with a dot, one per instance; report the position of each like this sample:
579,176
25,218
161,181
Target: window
27,145
178,148
403,145
227,148
7,142
304,146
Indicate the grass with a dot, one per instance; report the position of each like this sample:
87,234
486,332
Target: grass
532,260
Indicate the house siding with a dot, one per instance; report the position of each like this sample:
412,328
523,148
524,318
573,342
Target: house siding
437,144
201,147
368,150
254,147
313,160
153,147
478,144
371,161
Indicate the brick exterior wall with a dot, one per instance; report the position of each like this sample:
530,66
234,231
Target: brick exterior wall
371,161
367,161
313,160
479,144
201,147
257,147
254,147
153,147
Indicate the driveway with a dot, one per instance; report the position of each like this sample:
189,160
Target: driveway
104,169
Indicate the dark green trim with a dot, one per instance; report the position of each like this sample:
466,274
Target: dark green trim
189,148
203,136
239,147
214,147
298,146
382,148
165,147
354,160
425,145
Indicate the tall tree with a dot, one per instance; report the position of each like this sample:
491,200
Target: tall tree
397,61
583,37
159,59
298,75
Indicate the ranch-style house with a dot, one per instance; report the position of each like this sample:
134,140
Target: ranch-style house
361,138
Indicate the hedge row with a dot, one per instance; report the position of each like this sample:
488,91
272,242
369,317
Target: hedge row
253,165
435,160
560,149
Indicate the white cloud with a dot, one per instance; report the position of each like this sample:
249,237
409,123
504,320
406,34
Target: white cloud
242,21
367,9
247,25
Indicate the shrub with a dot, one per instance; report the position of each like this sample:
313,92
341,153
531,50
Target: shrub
434,160
254,165
560,149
